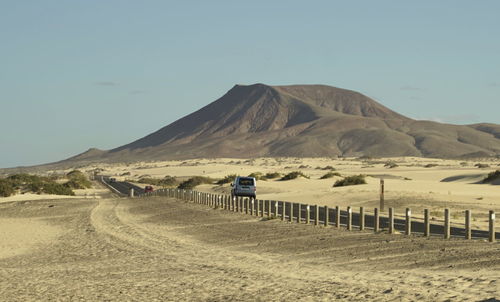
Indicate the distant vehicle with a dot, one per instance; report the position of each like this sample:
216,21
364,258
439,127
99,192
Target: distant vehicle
244,186
112,179
148,189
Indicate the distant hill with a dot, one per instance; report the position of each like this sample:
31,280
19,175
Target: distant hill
303,121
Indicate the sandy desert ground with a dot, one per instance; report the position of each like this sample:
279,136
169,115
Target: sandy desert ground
159,249
97,247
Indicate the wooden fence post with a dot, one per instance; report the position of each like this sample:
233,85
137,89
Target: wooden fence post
263,208
376,220
252,207
283,210
468,232
276,209
382,198
427,223
247,205
337,217
391,220
268,208
308,214
327,216
299,213
361,218
446,223
316,215
258,207
492,226
291,211
408,222
349,218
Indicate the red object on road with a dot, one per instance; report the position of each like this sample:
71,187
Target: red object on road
148,189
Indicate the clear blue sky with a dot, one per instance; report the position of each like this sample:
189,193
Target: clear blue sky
81,74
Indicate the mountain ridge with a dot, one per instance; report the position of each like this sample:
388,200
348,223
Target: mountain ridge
306,120
301,121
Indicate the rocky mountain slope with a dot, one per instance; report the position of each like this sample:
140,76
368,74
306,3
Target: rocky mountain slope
304,121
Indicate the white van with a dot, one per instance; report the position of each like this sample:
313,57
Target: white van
244,186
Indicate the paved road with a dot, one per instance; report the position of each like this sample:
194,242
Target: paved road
123,187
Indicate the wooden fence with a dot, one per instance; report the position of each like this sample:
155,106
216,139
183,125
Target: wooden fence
325,216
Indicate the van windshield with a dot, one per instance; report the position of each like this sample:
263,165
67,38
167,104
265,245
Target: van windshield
246,182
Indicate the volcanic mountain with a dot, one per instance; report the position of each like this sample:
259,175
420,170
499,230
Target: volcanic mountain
302,121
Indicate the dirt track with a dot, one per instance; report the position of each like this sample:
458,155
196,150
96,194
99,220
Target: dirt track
162,249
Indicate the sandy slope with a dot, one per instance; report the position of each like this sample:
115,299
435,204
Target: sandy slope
161,249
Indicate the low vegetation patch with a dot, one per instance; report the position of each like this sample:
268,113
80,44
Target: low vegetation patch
330,175
391,165
195,181
227,179
27,183
272,175
326,168
492,177
350,181
482,166
431,165
167,181
6,188
294,175
56,189
256,175
77,180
